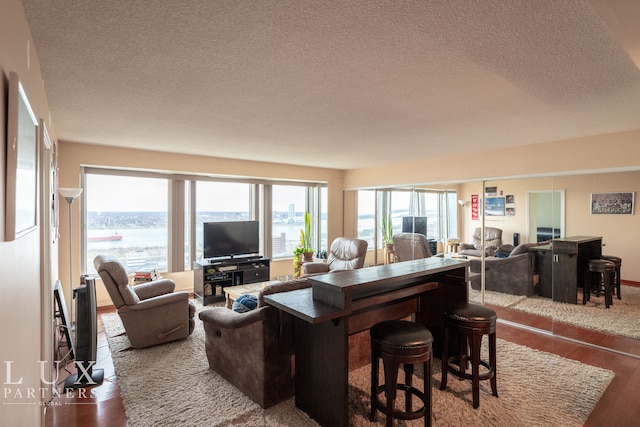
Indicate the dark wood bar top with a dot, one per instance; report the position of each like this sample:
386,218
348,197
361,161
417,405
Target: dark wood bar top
364,278
578,239
300,304
335,295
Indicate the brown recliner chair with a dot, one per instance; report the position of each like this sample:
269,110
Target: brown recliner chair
408,246
253,350
346,253
151,313
492,241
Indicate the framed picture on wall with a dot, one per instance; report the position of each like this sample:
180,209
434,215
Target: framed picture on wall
494,206
52,192
612,203
22,163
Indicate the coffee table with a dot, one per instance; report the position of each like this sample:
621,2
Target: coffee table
233,292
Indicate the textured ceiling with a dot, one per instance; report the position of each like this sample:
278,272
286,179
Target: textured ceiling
342,84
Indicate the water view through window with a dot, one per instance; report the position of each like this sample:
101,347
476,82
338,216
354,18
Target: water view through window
127,217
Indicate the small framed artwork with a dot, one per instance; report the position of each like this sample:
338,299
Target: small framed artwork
22,163
612,203
475,206
511,211
491,191
48,145
494,206
510,199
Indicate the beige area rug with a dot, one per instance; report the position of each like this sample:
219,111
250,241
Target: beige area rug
622,318
172,384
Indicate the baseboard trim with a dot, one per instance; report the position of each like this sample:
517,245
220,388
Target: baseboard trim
575,341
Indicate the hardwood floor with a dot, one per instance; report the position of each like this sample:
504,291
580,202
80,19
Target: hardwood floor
619,406
95,406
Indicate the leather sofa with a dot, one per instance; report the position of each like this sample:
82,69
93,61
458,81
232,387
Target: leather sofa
346,253
514,274
254,350
492,241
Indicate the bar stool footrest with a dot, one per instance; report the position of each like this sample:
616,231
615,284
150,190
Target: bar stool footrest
401,415
451,367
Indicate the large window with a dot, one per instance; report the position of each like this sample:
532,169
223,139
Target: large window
127,216
367,217
289,203
438,206
220,201
153,220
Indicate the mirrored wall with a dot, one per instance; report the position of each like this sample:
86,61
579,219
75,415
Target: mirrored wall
404,223
547,226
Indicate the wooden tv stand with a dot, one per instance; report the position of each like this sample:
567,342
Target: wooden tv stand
211,277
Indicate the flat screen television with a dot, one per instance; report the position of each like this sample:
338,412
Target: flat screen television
414,224
231,238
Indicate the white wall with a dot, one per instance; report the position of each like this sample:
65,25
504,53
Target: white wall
20,262
538,160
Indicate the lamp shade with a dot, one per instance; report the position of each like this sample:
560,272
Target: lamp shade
70,193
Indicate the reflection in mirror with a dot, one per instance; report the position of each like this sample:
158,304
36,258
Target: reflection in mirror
575,233
428,217
546,214
569,214
508,272
594,233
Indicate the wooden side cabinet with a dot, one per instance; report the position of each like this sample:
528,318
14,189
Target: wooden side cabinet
562,266
211,277
570,258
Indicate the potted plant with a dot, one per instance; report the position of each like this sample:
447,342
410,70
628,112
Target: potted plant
387,231
387,238
304,251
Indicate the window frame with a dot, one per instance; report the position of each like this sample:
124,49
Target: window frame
182,210
383,200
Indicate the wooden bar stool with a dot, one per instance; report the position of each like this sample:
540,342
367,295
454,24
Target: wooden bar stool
599,271
470,322
618,262
399,342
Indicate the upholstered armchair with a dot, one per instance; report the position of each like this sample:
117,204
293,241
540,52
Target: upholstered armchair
253,350
514,274
151,313
346,253
408,246
492,241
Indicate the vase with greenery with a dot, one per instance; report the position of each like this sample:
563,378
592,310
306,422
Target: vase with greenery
387,230
304,250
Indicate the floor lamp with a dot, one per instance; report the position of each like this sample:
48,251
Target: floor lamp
70,195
